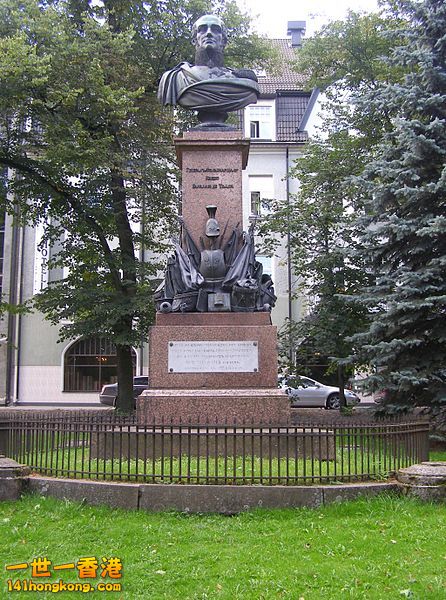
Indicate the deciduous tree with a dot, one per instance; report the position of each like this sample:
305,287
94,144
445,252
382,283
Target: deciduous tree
343,60
89,153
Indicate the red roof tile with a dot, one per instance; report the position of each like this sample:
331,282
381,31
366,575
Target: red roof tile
288,79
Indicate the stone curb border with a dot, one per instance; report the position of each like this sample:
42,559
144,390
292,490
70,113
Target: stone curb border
426,481
222,499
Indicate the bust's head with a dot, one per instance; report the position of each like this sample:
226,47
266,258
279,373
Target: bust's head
209,32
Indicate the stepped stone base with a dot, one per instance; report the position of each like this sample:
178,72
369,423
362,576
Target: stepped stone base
213,367
253,406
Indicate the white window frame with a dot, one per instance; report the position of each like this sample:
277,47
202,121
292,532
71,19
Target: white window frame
252,116
261,186
255,208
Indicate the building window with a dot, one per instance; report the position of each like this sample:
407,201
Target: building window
256,204
261,189
267,266
260,121
254,129
90,363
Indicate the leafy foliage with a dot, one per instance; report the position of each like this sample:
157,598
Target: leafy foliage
378,171
348,54
344,60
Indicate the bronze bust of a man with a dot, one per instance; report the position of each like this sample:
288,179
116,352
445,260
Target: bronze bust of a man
208,86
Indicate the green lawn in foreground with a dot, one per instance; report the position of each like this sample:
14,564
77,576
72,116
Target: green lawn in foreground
384,548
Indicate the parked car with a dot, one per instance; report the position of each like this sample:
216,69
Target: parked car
304,391
381,396
109,392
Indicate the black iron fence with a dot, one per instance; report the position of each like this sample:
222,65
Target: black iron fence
105,447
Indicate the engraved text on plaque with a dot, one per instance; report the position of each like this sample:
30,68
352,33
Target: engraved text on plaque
213,357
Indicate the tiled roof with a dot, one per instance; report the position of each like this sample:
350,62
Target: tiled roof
288,79
289,113
288,89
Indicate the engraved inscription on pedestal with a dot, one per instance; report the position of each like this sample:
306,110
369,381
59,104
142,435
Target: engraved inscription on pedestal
213,357
212,178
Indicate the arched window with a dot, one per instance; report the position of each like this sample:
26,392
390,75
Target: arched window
90,363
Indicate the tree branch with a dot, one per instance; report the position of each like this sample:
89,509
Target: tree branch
33,169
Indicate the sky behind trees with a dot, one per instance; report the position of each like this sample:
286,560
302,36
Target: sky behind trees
273,15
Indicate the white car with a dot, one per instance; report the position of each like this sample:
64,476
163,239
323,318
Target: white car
304,391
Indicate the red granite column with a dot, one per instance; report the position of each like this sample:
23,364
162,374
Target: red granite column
212,165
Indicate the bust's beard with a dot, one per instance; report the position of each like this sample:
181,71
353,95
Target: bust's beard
209,57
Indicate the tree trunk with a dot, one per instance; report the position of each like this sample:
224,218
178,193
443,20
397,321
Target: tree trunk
127,289
341,385
124,400
115,13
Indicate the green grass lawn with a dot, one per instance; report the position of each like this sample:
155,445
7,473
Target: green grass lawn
383,548
347,462
324,456
437,455
218,470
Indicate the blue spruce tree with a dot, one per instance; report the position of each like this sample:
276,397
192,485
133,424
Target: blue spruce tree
403,233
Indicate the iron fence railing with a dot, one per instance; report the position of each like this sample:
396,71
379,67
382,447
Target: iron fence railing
105,447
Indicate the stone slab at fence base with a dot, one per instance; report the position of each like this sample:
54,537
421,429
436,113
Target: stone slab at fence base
13,478
115,495
426,481
223,499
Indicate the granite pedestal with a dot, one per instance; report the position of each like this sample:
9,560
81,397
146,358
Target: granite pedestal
211,396
213,367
